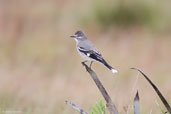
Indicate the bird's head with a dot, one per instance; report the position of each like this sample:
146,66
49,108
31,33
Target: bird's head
79,35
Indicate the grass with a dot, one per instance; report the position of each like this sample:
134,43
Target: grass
99,108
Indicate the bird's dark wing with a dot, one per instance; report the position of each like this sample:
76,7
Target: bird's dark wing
92,54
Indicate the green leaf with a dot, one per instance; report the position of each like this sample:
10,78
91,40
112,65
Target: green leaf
99,109
94,109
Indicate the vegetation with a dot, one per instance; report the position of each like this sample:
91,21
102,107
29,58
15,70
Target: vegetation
99,108
121,13
39,63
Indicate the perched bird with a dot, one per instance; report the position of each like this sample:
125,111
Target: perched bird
86,49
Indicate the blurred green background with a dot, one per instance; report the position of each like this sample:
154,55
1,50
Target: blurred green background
40,67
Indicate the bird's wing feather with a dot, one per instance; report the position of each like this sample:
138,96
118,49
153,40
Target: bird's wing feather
94,54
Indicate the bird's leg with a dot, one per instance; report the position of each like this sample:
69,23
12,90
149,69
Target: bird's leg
91,64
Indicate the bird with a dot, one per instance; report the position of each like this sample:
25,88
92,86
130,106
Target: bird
88,51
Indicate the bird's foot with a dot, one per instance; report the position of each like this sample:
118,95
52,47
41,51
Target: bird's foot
83,63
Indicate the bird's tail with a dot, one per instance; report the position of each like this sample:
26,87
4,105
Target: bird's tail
109,67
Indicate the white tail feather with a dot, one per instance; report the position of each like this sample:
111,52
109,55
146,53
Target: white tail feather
114,71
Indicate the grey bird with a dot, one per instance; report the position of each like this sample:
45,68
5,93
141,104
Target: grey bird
87,50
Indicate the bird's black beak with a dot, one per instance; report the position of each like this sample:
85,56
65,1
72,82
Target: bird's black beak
73,36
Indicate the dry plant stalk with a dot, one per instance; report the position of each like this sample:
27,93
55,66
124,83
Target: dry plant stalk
76,107
166,104
136,104
109,104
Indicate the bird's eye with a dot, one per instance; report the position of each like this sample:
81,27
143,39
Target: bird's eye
78,35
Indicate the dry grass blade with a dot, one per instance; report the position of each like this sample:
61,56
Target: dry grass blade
132,91
157,91
74,106
136,104
109,104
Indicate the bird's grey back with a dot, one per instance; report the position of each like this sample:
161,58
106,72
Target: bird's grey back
86,44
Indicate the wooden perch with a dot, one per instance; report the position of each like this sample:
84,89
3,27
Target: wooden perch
109,104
